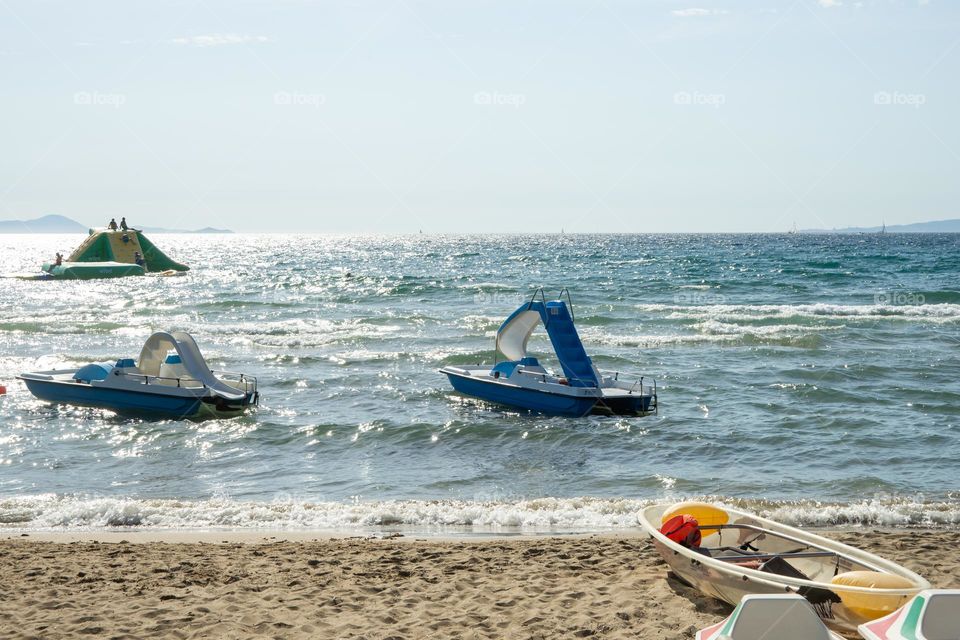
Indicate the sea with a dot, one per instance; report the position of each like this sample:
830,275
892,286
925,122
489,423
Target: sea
812,378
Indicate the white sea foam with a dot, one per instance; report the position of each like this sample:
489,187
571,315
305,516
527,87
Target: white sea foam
306,333
730,323
57,512
716,327
710,331
50,512
873,512
929,312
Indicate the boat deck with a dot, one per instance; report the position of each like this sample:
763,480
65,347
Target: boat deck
616,396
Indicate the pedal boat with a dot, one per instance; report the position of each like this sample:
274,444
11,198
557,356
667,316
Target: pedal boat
933,615
784,616
846,587
520,381
171,378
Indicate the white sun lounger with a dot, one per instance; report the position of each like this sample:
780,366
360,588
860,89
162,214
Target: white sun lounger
770,617
934,614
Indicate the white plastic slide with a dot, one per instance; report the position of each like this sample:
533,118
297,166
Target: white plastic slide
155,351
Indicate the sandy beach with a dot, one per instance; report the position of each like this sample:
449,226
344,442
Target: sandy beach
610,586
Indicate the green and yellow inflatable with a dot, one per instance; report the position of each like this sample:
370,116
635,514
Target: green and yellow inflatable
113,254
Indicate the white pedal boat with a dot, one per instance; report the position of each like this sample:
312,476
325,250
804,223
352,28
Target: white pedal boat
781,616
933,615
171,378
847,587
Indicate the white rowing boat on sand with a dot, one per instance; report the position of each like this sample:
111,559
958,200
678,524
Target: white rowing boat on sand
730,554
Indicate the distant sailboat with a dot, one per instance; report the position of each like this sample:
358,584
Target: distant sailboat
883,229
793,230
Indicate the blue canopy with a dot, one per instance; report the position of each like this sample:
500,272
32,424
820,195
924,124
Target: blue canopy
93,371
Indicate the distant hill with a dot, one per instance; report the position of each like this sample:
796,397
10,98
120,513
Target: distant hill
204,230
46,224
62,224
935,226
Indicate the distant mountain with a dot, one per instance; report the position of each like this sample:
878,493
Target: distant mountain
213,230
62,224
934,226
46,224
204,230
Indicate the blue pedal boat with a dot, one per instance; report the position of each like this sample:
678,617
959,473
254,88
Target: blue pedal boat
170,378
521,382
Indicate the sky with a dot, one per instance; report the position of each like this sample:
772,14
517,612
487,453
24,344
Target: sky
447,116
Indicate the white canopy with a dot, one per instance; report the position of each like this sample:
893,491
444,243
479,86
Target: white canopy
158,345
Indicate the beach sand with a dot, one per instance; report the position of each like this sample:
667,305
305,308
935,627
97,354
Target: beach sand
607,586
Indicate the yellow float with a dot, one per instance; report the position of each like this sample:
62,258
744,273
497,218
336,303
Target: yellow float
871,605
705,514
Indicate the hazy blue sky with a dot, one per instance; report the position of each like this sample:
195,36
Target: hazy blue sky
489,116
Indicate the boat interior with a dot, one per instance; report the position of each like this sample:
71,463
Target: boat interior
776,552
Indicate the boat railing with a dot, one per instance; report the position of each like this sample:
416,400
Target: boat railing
569,302
771,556
147,378
543,299
234,374
636,384
249,382
543,376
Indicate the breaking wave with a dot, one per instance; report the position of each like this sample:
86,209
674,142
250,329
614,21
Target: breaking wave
539,515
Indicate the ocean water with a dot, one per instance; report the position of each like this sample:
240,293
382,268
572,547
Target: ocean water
813,378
